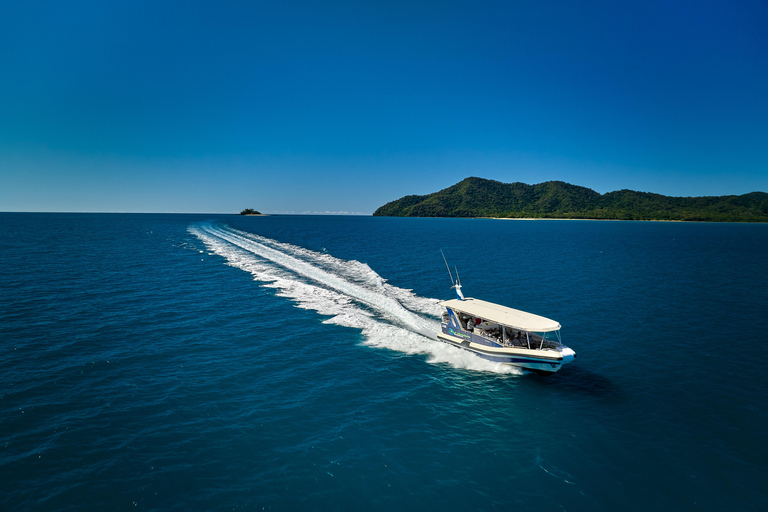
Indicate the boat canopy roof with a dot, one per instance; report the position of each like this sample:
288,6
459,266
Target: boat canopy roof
502,315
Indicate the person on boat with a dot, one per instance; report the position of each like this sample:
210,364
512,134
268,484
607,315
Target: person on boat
470,324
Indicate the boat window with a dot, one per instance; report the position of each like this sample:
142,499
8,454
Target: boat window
546,340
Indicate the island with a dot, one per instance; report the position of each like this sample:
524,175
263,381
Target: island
478,197
249,211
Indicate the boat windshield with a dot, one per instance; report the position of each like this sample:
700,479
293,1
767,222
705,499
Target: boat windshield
546,340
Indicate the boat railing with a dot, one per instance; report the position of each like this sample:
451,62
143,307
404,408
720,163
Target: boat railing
508,343
536,341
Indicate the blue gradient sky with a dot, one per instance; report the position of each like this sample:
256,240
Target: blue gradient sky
158,106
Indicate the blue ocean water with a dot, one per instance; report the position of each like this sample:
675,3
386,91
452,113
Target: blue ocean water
187,362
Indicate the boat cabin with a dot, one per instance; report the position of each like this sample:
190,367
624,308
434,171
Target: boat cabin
493,325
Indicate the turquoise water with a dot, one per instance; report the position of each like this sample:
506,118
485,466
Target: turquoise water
182,362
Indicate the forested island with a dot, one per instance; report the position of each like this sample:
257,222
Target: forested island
478,197
250,211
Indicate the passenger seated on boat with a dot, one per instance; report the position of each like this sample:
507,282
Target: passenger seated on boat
470,324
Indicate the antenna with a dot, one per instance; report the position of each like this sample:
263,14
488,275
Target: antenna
456,284
449,269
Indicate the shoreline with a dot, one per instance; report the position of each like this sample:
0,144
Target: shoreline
563,218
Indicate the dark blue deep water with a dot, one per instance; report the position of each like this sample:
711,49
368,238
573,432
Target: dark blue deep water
181,362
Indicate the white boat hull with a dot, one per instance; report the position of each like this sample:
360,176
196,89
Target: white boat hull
543,362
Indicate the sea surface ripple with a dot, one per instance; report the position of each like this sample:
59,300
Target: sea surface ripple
186,362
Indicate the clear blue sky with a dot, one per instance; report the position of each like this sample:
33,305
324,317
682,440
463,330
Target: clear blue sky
188,106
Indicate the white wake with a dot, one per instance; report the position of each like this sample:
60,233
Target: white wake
350,292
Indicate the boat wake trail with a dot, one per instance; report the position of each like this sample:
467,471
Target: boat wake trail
350,292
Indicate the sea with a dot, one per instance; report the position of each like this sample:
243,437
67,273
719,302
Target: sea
222,362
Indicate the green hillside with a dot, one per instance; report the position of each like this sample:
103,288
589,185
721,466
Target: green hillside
478,197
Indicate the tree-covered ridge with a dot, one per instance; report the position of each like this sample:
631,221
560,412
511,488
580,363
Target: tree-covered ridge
478,197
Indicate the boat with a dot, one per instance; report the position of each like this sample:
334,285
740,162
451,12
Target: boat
502,334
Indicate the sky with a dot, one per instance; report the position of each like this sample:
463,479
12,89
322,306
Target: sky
341,106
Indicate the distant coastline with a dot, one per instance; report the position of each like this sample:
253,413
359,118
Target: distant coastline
482,198
559,218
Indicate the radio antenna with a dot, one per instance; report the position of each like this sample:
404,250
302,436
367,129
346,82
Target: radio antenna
457,283
449,269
